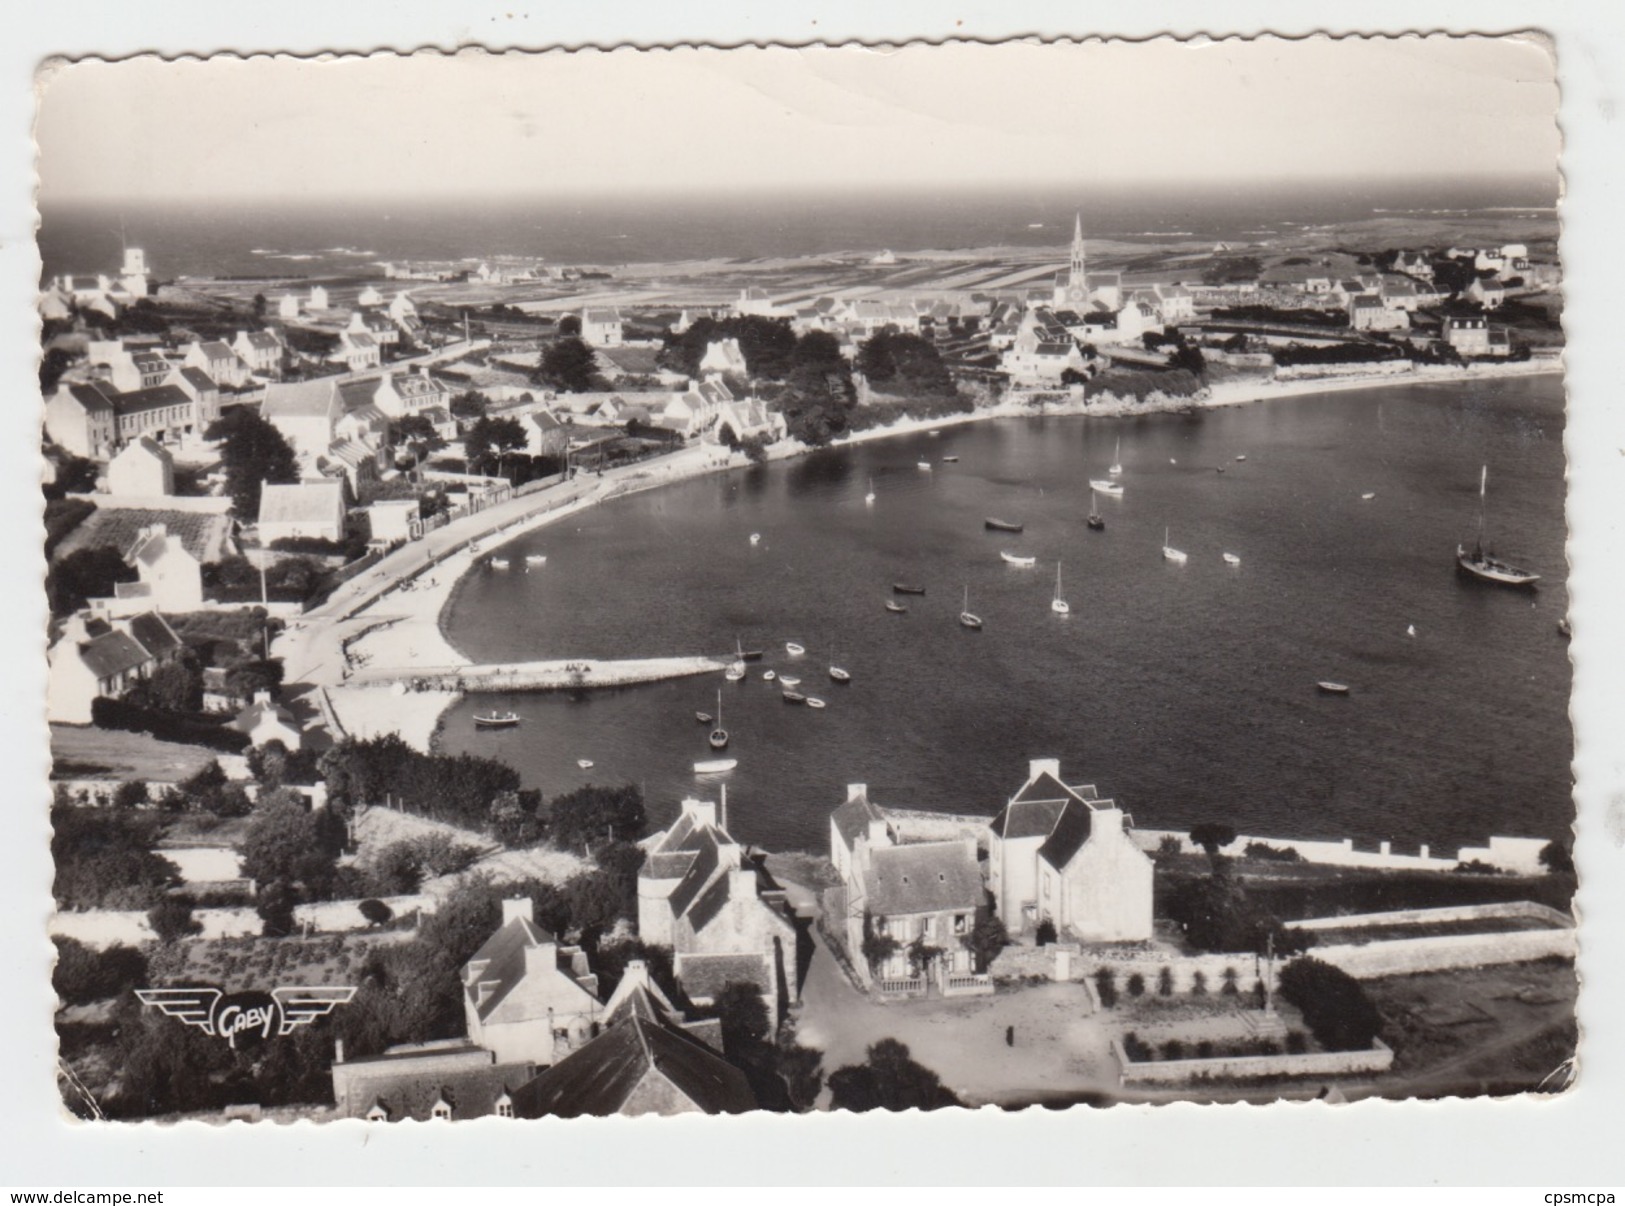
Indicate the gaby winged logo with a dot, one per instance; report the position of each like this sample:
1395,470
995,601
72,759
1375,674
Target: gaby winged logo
253,1014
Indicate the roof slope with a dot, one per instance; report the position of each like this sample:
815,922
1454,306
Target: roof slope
926,878
602,1077
503,959
1071,831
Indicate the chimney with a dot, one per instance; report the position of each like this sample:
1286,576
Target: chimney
857,791
338,1051
702,812
722,810
518,908
1042,766
262,697
636,974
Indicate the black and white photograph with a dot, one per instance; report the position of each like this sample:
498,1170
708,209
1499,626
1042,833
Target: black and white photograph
697,580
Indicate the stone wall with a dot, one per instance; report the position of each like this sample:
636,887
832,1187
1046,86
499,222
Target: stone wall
1251,1067
98,928
1407,956
1514,908
1517,855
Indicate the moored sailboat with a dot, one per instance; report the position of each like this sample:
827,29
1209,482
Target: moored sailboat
1486,565
1059,605
719,735
966,617
1169,552
1117,460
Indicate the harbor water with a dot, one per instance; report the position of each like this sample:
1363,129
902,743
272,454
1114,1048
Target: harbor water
1187,692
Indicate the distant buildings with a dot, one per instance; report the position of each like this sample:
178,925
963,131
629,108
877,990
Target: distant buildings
264,721
602,327
306,413
170,578
143,470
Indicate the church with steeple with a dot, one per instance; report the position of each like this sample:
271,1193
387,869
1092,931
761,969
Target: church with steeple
1073,289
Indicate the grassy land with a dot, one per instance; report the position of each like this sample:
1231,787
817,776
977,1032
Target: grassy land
242,963
1489,1030
88,753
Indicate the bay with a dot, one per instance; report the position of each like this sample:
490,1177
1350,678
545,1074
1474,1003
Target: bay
1187,693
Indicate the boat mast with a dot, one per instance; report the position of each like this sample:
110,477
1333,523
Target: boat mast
1483,483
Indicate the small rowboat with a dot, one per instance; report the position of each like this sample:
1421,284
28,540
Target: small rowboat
794,697
1242,457
535,558
1001,525
1367,497
793,649
703,717
950,460
715,766
584,763
499,563
1231,559
1016,560
756,538
925,465
836,674
814,702
1108,488
734,672
787,681
1331,688
496,720
768,676
904,589
896,609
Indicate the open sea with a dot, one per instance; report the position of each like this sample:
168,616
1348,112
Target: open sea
194,238
1187,693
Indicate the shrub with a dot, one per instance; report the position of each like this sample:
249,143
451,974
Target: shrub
1275,854
1173,1049
1333,1003
171,918
1046,932
1170,844
1230,977
1475,866
1136,985
1296,1042
1204,1049
1260,996
1198,984
167,726
1165,982
1137,1049
376,912
1106,987
83,975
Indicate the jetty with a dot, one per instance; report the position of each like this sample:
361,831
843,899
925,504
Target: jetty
570,674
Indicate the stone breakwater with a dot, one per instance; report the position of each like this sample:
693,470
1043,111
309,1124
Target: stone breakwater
569,675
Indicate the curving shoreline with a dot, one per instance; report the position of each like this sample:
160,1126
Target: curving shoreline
405,624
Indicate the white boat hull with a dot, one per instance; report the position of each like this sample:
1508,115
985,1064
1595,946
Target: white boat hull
715,766
1104,487
1174,556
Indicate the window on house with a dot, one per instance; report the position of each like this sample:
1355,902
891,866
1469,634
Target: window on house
441,1111
1046,887
504,1108
960,923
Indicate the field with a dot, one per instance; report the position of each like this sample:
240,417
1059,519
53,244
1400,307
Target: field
1489,1030
90,753
236,964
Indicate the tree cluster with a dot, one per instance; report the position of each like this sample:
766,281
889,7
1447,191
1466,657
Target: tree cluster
488,440
568,366
458,788
895,362
83,974
767,344
85,574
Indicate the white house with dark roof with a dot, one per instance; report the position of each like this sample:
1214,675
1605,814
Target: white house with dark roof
171,579
201,389
749,418
312,508
1368,313
317,300
442,1079
144,469
1486,292
287,307
1062,854
717,908
81,418
525,995
693,410
1469,335
397,394
912,894
602,327
260,350
97,657
358,351
723,356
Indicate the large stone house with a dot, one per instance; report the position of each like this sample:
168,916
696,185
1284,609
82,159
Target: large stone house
602,327
526,996
225,368
264,721
397,394
440,1080
171,579
306,413
901,895
81,417
1061,854
261,350
719,910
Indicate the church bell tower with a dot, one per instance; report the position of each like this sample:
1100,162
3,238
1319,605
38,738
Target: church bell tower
1077,280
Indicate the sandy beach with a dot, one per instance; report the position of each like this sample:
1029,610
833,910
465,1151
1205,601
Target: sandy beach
393,621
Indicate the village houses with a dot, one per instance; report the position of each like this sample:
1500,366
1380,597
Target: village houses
169,579
261,350
264,721
306,413
81,418
718,909
224,367
601,327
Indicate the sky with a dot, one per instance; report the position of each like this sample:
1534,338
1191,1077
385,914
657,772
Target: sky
1114,114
